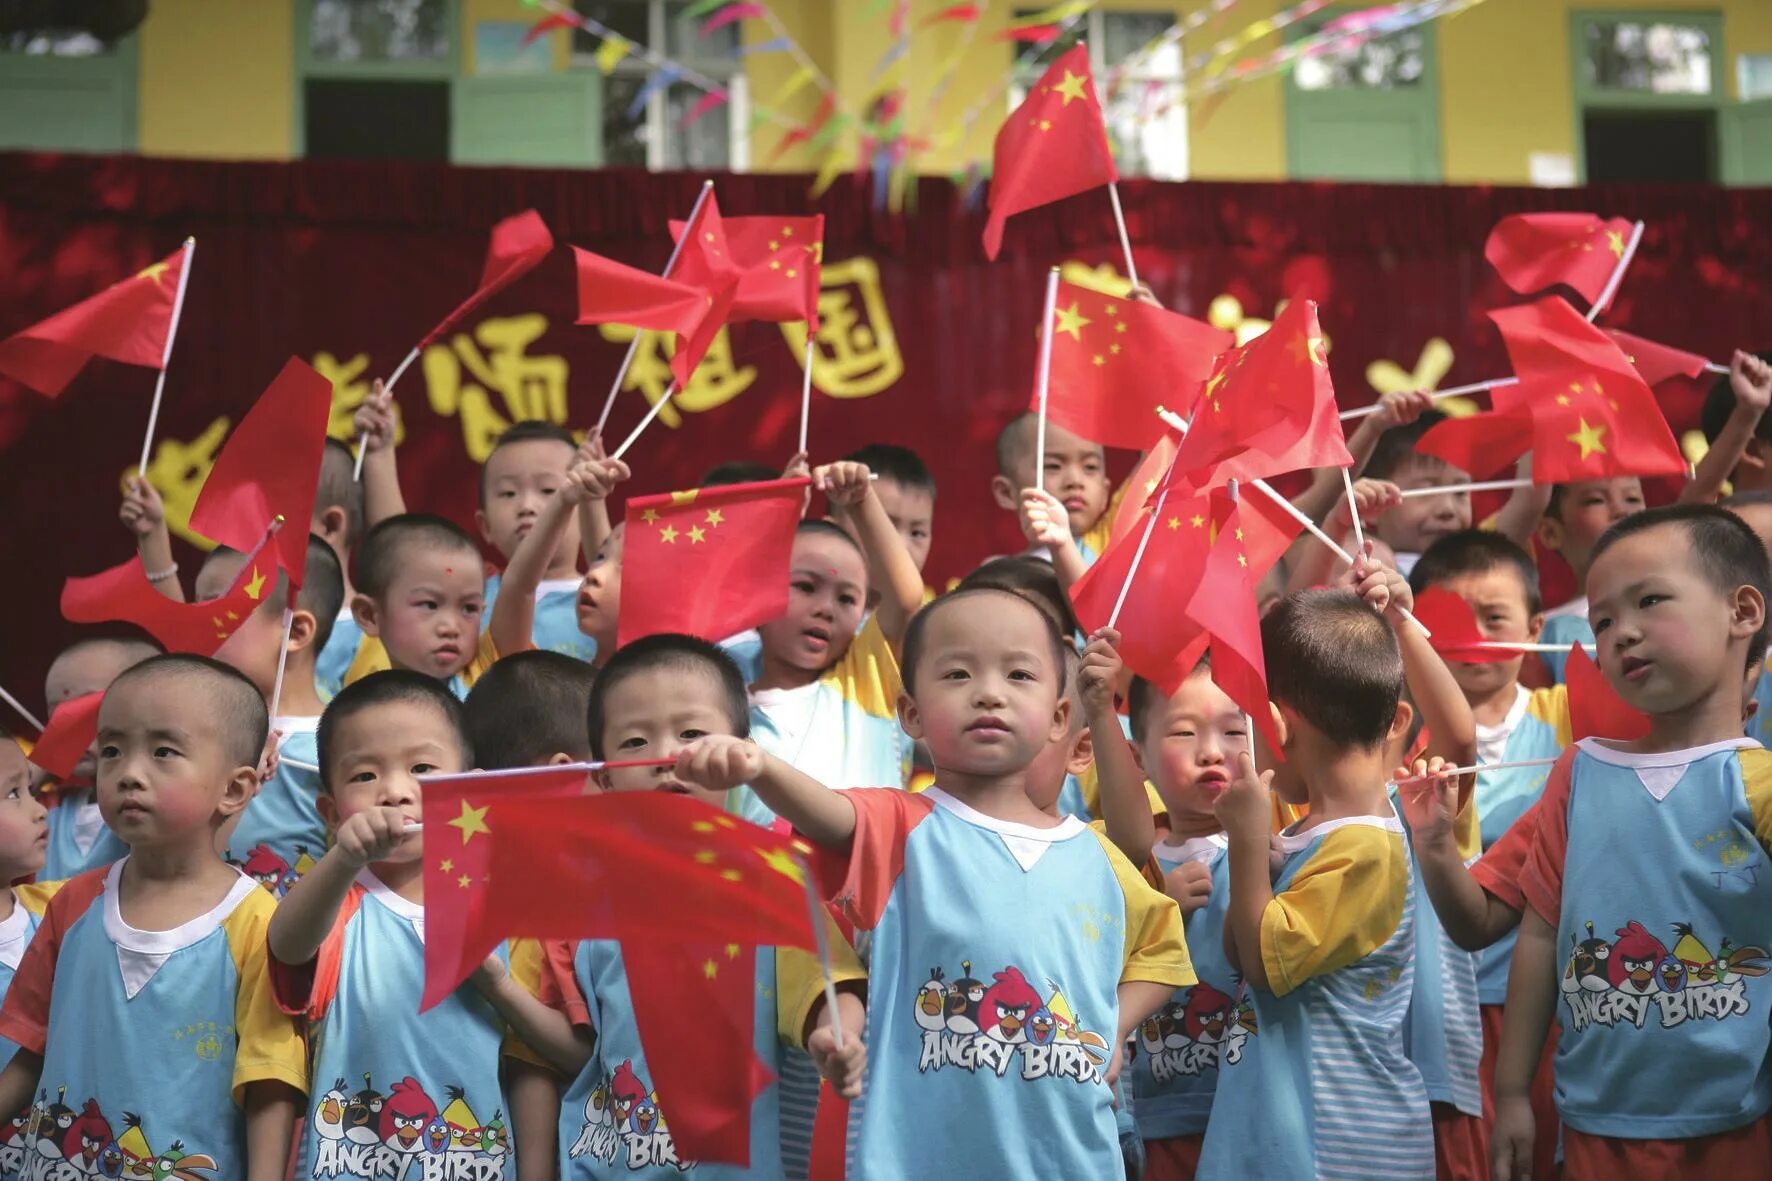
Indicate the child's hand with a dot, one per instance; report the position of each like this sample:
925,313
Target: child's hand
844,484
1373,497
591,448
1190,884
720,762
372,835
1043,518
593,479
1246,807
1751,379
1401,408
267,766
1100,672
1381,586
1510,1151
843,1068
374,420
1430,804
489,975
1143,294
143,512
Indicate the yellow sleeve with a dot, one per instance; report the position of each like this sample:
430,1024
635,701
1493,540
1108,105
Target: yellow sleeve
1090,784
1150,871
1467,829
525,966
268,1042
1551,706
1756,781
799,982
868,673
371,657
1341,906
35,896
485,656
1156,950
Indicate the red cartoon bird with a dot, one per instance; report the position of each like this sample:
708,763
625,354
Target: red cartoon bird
1208,1012
405,1115
1634,959
1004,1011
267,869
626,1091
89,1132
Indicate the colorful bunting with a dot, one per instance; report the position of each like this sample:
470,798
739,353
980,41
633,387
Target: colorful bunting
731,14
610,53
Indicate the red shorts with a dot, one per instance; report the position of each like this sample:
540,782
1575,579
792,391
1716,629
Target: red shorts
1544,1104
1737,1155
1174,1159
1461,1145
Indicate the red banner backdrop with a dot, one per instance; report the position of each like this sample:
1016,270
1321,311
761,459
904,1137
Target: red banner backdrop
923,343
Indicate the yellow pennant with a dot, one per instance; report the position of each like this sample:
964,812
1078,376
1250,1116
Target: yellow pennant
793,86
610,53
829,169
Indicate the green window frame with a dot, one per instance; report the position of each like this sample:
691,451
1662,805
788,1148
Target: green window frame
1591,97
1414,112
447,69
36,113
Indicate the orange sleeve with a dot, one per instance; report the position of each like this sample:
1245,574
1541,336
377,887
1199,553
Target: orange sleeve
307,989
559,988
25,1017
1541,877
884,817
1498,869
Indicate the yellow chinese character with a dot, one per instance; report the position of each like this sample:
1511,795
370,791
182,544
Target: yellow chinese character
857,354
177,471
496,360
715,382
350,385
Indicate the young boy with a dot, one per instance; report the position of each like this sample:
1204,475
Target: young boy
145,995
279,834
907,492
338,521
653,698
1326,948
347,952
1647,856
1737,430
1755,510
78,837
24,839
1002,941
420,596
517,713
825,696
1412,524
1073,470
1575,517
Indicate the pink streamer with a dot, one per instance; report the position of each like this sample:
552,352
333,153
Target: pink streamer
708,102
730,14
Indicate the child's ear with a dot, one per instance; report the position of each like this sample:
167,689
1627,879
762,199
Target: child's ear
1749,612
601,780
560,759
242,785
1082,753
909,718
1061,721
363,610
328,809
1550,533
1004,493
302,628
330,523
481,524
1400,722
1535,627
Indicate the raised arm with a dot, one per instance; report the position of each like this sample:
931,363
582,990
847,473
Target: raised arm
1751,380
1310,563
144,514
1451,727
850,489
1394,409
1045,522
374,423
1518,519
1246,809
721,762
513,615
305,916
593,515
1124,806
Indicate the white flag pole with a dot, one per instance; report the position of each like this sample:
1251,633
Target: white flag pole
1456,391
178,307
806,391
1611,288
1120,224
1045,378
19,709
650,415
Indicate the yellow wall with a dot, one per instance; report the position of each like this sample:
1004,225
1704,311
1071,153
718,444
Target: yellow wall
218,79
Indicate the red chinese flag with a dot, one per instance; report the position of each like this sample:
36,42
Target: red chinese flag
269,468
1655,363
1579,406
778,260
1153,632
1224,606
127,322
1117,361
1144,482
123,593
611,293
1054,145
1595,708
72,727
1269,405
518,243
1532,251
1454,626
709,562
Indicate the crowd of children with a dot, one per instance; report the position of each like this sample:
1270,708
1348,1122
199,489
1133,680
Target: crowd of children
1088,925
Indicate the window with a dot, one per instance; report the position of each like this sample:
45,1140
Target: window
65,89
1753,75
1363,109
654,136
1396,62
376,77
1146,107
1648,95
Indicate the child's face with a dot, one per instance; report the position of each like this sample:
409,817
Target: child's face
1188,745
655,714
912,512
377,755
520,479
254,646
24,823
1587,509
1666,636
827,592
987,697
163,765
1498,600
1075,471
430,620
1419,521
599,594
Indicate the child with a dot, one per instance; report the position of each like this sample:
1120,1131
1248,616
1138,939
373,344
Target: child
24,839
1073,470
347,948
907,492
653,699
1755,510
1575,517
972,879
1326,947
1735,426
78,837
338,521
279,834
1412,524
826,695
1640,842
517,714
420,595
145,995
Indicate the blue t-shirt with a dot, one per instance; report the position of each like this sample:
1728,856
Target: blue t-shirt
1181,1045
149,1038
1564,626
995,958
1759,727
15,936
280,834
1443,1030
334,660
1325,1089
79,838
556,617
396,1092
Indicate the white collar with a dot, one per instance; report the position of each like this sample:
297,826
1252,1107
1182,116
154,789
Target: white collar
1024,842
287,724
1516,713
15,933
1659,771
141,953
412,912
1575,606
1290,842
555,586
1193,849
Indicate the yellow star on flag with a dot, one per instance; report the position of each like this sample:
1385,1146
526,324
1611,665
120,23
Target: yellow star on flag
1073,321
732,950
1174,523
715,516
706,857
782,863
667,535
650,516
153,271
1099,360
710,969
1615,239
697,534
1589,439
472,822
678,499
464,881
1045,125
446,865
255,586
1071,87
1562,399
1198,521
732,875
